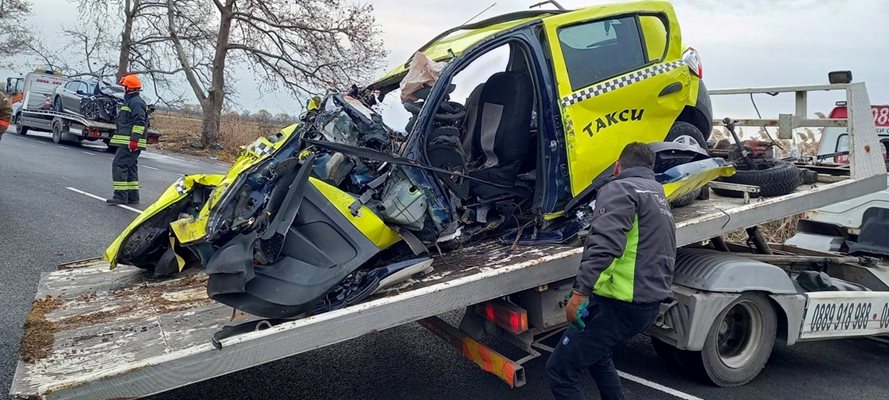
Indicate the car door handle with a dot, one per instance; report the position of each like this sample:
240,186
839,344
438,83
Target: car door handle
670,89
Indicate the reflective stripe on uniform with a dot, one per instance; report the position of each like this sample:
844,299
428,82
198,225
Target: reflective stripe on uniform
138,129
121,185
134,185
125,141
125,108
120,139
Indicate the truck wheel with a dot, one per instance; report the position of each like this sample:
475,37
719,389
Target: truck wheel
56,133
740,341
20,128
685,133
774,178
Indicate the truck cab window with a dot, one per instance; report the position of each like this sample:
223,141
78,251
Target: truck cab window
595,51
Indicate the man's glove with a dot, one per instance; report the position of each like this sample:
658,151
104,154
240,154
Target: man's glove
576,309
134,145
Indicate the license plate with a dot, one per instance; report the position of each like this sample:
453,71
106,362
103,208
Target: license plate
842,314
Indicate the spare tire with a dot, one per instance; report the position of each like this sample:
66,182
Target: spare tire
774,178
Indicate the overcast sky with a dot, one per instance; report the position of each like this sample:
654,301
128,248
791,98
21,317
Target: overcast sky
743,43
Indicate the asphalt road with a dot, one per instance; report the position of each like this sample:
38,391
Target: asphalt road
44,223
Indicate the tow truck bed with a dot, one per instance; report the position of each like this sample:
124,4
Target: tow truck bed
95,333
72,124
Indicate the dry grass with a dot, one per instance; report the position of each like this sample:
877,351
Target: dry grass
774,232
179,131
806,143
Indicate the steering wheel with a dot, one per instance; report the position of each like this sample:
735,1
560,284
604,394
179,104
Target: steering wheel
448,111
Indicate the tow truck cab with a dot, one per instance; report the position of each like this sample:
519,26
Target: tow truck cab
830,228
834,144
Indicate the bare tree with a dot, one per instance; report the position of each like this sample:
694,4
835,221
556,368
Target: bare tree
14,35
94,47
304,46
138,30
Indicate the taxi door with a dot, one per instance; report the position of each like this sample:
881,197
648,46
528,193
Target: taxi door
620,79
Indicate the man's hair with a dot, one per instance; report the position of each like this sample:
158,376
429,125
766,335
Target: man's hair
636,154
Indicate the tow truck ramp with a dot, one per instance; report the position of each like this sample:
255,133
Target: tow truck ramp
99,333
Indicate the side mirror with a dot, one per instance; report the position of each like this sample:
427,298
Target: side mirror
80,92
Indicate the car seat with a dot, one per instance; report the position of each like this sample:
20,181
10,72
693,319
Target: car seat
499,132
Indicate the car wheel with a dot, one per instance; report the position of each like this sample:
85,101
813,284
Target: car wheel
739,342
774,178
57,104
685,133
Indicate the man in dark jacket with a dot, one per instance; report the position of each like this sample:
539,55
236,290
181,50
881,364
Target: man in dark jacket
625,273
130,140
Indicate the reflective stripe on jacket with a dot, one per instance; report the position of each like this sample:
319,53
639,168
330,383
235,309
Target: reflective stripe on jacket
131,120
630,252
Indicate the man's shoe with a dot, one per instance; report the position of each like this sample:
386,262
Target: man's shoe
115,201
133,202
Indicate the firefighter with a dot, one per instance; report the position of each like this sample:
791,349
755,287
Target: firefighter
130,140
5,113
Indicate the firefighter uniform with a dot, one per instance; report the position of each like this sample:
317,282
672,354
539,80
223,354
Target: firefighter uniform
130,139
5,113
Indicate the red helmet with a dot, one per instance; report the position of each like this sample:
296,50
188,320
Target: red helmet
131,82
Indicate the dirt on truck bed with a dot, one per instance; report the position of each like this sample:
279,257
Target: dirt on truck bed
85,314
91,307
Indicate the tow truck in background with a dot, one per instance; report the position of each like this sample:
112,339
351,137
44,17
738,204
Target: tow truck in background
34,111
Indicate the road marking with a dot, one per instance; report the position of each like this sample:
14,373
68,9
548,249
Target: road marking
89,153
657,386
125,207
879,339
63,147
150,167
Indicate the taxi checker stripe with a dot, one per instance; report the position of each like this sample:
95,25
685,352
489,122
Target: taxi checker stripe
261,148
180,186
619,82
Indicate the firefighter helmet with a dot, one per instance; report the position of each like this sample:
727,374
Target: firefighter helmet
131,82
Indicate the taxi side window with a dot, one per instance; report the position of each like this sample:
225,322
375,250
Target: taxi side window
598,50
655,33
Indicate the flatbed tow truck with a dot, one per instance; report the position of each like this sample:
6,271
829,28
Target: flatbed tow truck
65,127
94,333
